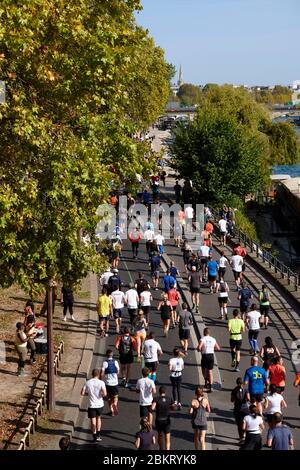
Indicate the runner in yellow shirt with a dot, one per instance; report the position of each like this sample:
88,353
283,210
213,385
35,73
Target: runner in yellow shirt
236,327
104,309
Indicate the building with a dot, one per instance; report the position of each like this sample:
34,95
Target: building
180,82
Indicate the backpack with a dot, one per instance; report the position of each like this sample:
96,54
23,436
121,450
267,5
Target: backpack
111,367
200,415
125,345
141,284
223,287
265,296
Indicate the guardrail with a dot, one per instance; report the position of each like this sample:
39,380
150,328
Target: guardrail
40,404
265,256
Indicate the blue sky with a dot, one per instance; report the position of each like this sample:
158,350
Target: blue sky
228,41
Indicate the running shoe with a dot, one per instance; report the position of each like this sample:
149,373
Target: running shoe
179,406
127,385
237,369
98,439
72,318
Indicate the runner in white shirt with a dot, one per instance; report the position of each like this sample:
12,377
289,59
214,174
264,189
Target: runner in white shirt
95,390
160,239
205,252
146,388
223,263
149,237
145,302
105,276
118,301
152,350
207,346
132,301
223,230
253,324
176,366
274,403
237,262
189,215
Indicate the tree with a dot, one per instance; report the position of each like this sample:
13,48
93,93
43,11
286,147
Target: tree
66,128
228,149
189,94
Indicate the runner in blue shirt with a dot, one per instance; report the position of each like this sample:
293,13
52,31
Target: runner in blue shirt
174,271
212,274
255,380
155,265
169,281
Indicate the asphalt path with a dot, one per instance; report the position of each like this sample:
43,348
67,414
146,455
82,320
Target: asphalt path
119,431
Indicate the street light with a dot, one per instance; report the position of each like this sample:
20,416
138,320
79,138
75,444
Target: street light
50,355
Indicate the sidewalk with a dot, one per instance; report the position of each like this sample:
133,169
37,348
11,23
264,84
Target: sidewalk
79,339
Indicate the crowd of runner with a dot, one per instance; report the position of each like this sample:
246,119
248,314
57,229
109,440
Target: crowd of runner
258,397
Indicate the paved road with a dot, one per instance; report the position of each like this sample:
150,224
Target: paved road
118,432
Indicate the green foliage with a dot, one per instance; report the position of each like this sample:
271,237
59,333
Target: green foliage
245,225
279,95
75,98
227,149
189,95
284,143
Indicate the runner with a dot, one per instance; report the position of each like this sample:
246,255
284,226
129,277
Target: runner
146,388
186,252
176,366
222,290
189,216
205,252
173,298
236,327
177,190
193,262
207,346
95,390
223,263
145,438
199,407
177,233
155,266
152,351
223,230
105,277
255,380
245,295
141,284
185,320
279,436
126,345
132,301
209,229
237,265
149,237
114,282
168,281
163,405
253,325
253,425
165,309
141,326
195,282
118,301
174,272
145,303
241,409
135,237
264,304
160,240
109,373
273,403
268,352
277,374
104,309
296,384
212,273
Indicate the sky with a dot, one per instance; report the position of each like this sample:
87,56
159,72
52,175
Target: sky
243,42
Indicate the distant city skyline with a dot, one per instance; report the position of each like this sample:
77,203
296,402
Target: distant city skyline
243,42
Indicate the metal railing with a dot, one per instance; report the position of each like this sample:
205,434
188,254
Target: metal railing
40,404
264,255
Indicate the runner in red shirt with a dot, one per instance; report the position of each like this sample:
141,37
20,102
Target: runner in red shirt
277,374
173,298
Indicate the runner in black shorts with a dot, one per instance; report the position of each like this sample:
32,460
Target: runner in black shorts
163,405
